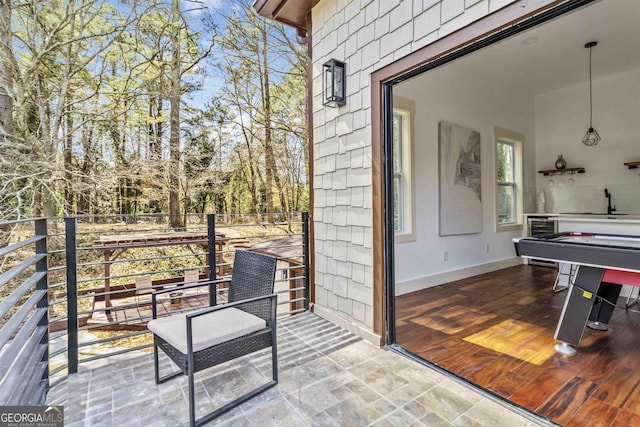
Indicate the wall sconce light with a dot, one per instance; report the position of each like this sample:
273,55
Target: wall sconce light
334,83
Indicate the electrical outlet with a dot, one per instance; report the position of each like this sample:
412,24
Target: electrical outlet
445,256
486,248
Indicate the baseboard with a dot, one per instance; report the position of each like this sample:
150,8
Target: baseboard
347,324
453,275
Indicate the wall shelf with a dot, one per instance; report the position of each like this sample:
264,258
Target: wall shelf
568,171
633,165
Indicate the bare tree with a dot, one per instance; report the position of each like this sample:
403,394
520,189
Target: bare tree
6,103
259,62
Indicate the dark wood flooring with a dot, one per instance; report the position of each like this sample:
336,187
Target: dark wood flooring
497,330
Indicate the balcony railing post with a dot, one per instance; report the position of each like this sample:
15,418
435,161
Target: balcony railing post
42,266
211,234
72,295
305,252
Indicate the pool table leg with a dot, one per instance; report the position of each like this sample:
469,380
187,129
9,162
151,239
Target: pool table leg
603,308
578,305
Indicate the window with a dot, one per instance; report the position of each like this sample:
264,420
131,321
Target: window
403,217
507,209
508,179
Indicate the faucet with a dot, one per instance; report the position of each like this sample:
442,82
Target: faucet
610,209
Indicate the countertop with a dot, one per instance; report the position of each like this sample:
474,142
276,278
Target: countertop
590,217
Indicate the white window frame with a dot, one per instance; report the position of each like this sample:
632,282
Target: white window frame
406,109
517,140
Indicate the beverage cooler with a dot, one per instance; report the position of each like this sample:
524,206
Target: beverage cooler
540,225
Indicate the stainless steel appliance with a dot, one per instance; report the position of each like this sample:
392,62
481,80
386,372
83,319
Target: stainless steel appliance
539,225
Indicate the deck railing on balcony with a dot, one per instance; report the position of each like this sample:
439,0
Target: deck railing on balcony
72,297
24,339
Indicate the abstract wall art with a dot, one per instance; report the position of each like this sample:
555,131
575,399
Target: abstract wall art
460,193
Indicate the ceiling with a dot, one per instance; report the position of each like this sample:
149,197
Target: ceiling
553,55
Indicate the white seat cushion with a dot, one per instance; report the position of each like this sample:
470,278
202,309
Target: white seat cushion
208,330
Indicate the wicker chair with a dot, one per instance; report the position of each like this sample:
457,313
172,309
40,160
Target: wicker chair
208,337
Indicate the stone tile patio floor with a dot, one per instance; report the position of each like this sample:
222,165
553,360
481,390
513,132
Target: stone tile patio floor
327,377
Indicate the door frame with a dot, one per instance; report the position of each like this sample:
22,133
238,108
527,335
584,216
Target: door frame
510,20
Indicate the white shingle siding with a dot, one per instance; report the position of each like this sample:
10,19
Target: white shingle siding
426,4
358,216
360,293
357,235
339,179
343,160
331,231
368,316
345,305
324,165
473,13
343,197
367,196
357,196
357,273
497,4
344,269
332,264
358,178
427,22
359,119
321,295
331,199
396,39
320,199
367,35
360,255
355,22
359,311
451,9
469,3
386,5
343,235
332,301
340,286
400,15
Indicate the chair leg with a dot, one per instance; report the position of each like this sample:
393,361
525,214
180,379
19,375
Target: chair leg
156,365
274,354
192,403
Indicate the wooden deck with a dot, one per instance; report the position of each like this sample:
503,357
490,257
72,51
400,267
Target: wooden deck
497,330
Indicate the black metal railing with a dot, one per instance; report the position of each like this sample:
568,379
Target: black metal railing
24,373
87,288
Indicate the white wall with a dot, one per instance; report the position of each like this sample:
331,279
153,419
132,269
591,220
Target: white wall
456,94
561,120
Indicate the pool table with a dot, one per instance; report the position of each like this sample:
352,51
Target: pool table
605,262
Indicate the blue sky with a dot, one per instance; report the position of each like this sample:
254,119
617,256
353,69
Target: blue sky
212,83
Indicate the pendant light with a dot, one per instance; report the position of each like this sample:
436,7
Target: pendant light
591,137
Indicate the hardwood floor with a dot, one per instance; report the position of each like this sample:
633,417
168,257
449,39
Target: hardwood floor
497,330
